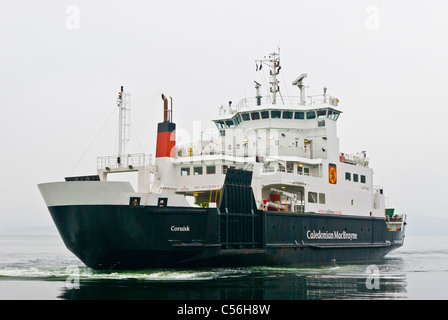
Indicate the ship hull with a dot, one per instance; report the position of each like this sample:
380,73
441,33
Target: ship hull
127,237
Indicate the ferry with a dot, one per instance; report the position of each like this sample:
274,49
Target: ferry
270,188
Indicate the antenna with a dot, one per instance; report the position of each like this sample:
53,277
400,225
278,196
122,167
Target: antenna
258,96
123,103
273,60
298,82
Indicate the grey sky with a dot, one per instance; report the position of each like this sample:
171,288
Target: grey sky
385,60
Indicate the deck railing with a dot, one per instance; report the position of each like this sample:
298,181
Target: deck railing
126,161
281,101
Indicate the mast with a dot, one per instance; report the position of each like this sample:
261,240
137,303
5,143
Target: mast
123,103
273,61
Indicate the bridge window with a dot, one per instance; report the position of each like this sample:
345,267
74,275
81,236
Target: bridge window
275,114
245,116
220,124
264,114
229,124
184,171
321,113
287,114
311,115
299,115
255,115
333,115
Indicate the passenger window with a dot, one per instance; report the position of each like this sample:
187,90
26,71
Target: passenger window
197,170
312,197
211,169
322,198
363,179
184,172
355,177
348,176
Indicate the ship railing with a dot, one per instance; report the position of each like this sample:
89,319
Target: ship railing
272,170
359,159
193,151
127,161
186,152
280,101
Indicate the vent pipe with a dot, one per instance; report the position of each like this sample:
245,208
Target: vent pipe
165,108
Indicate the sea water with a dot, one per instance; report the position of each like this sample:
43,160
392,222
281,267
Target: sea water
40,267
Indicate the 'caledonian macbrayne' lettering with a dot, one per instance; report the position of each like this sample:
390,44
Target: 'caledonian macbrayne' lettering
313,235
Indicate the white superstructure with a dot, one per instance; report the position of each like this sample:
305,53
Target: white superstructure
290,143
